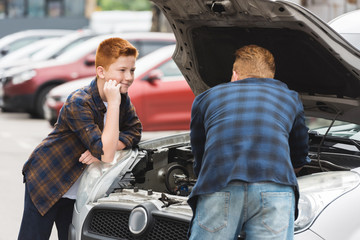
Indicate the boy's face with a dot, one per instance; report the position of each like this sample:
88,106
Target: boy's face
122,71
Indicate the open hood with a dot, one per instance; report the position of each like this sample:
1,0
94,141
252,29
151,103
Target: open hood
311,58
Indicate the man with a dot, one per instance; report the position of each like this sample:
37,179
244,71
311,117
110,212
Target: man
247,137
93,124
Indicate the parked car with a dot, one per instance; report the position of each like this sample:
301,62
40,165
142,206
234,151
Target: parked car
51,51
25,87
143,193
160,94
348,26
20,39
25,52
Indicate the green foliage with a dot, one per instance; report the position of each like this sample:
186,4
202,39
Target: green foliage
134,5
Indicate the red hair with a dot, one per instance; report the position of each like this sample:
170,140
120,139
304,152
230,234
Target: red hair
111,49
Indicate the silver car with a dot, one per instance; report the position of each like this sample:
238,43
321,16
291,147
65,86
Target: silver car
143,193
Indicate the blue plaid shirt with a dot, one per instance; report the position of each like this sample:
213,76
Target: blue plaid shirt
251,130
54,165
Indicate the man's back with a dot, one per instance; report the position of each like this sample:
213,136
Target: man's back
247,125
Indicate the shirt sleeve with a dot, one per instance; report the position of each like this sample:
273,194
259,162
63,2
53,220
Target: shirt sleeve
197,136
298,142
130,125
80,120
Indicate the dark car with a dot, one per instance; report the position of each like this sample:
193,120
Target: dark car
143,193
25,87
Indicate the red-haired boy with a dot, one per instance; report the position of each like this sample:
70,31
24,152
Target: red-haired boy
93,124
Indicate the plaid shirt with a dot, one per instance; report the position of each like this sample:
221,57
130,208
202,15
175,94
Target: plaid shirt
54,164
251,130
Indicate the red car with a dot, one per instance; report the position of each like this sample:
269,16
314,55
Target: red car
160,93
25,88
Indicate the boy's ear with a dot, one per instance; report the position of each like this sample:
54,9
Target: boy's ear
100,72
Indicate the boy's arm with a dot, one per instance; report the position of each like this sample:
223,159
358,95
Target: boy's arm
130,125
110,133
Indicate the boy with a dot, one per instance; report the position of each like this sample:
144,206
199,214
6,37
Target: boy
93,124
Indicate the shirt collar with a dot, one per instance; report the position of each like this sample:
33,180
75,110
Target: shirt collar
262,81
94,91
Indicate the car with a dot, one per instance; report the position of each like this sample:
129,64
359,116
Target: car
25,52
25,87
16,40
346,25
160,94
143,193
51,51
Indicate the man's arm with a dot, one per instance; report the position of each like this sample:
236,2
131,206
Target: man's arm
298,142
197,137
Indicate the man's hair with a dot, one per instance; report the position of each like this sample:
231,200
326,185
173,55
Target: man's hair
111,49
252,60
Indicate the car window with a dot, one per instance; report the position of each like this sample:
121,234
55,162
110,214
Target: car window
339,128
21,43
71,45
146,47
170,69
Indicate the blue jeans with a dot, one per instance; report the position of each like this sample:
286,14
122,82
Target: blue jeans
37,227
261,211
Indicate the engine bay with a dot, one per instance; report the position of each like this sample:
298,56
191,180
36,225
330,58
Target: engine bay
169,169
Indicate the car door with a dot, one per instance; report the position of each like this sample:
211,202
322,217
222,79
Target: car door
167,101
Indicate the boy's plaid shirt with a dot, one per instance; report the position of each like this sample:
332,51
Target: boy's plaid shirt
54,164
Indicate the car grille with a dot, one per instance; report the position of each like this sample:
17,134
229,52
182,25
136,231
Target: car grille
114,224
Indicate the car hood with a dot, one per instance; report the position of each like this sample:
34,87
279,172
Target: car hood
311,58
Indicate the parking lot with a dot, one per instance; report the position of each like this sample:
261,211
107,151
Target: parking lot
19,135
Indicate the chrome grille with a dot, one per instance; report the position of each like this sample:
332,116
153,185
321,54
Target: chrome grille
114,224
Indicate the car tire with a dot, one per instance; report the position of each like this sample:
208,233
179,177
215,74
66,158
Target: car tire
38,111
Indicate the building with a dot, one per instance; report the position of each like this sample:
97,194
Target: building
17,15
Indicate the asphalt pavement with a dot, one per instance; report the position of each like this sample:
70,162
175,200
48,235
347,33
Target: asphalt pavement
19,135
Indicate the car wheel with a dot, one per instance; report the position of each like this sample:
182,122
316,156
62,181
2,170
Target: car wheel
39,102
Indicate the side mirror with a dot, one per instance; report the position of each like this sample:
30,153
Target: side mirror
153,76
90,60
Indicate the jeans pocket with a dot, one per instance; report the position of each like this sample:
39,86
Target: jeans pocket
213,211
276,210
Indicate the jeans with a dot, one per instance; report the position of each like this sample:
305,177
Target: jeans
37,227
261,211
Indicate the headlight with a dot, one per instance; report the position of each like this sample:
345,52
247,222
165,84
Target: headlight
319,190
23,77
98,177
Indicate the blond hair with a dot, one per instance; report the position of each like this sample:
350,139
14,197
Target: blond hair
255,61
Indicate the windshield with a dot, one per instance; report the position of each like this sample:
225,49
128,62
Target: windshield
55,50
339,129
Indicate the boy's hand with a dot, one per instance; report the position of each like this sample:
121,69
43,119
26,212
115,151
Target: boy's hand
112,92
87,158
